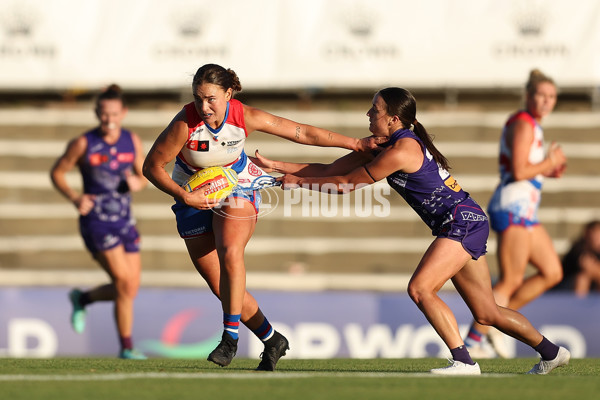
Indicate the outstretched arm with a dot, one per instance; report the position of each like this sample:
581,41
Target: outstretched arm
405,155
342,165
259,120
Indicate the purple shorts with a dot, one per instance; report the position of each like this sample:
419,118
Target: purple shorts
101,235
470,227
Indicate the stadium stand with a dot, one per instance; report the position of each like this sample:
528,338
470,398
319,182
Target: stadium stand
39,229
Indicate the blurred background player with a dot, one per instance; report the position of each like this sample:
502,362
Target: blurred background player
581,264
211,131
110,160
416,170
522,239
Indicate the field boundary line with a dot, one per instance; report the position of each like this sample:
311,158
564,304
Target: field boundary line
234,376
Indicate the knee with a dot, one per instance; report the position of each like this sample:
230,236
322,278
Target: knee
127,286
486,317
554,277
512,282
418,293
230,255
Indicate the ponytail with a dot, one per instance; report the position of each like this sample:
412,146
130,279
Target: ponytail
427,140
402,103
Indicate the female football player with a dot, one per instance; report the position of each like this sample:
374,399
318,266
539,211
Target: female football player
211,131
415,168
522,239
110,160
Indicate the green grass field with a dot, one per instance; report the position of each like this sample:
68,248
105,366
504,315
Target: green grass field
107,378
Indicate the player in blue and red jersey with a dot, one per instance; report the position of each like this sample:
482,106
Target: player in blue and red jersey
211,131
419,173
110,160
513,208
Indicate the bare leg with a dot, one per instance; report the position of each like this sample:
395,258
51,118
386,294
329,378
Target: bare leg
473,284
442,260
232,233
544,258
516,247
204,256
513,251
125,271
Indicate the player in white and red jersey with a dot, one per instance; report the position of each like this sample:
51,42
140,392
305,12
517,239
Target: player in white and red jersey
513,209
211,131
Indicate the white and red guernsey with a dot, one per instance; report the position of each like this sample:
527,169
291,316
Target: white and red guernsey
207,147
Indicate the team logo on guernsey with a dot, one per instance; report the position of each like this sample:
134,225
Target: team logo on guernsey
252,170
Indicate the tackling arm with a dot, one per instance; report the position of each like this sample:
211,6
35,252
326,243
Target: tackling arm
404,155
340,166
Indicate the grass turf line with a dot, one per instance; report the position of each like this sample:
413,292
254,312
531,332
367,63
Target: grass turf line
103,378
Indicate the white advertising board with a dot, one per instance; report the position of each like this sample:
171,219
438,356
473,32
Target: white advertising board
291,44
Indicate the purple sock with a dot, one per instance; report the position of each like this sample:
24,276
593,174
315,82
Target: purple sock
126,342
547,349
462,354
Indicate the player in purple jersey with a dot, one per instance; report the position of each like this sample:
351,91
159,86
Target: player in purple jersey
418,172
110,160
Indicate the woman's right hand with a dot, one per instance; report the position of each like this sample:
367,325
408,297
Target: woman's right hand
558,160
85,203
197,199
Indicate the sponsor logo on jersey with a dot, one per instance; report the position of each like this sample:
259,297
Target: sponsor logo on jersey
109,240
198,145
471,216
125,157
452,184
98,159
230,142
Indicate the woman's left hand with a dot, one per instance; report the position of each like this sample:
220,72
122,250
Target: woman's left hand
263,162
